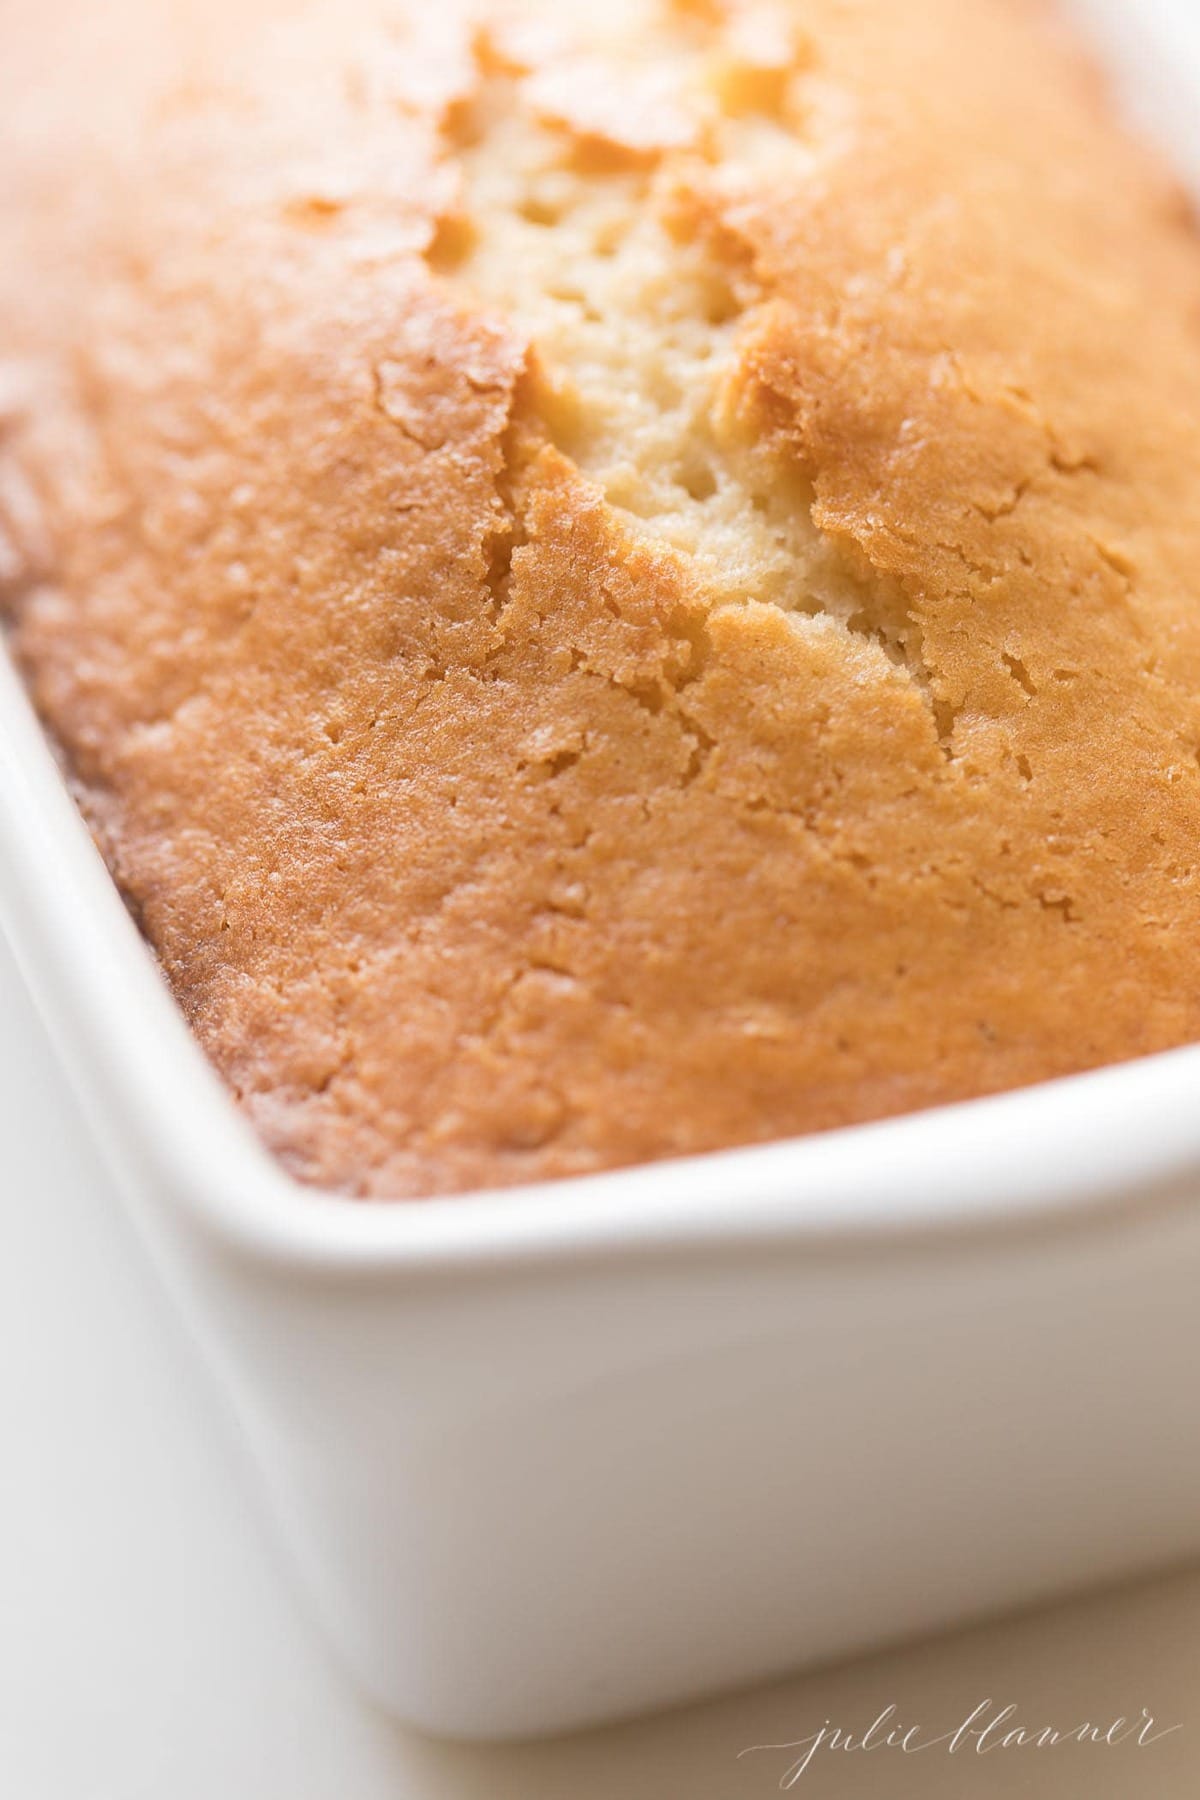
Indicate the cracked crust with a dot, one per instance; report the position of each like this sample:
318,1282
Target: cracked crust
603,604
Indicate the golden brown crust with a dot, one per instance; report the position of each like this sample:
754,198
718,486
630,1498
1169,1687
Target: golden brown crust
480,836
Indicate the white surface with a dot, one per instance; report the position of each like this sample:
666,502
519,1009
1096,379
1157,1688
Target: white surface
150,1648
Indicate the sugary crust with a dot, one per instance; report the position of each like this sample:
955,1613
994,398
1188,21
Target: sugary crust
479,840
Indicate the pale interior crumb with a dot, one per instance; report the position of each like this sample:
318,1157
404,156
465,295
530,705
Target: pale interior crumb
636,324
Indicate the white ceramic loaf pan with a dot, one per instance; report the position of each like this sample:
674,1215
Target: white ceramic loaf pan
546,1457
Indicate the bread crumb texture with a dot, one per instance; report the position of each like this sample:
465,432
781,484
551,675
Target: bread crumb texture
612,581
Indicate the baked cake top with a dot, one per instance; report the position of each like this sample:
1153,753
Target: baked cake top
609,587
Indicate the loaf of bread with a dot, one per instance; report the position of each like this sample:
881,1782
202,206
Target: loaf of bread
615,581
